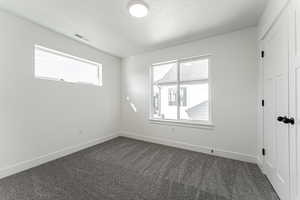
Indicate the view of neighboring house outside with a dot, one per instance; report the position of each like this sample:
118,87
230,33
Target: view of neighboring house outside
194,90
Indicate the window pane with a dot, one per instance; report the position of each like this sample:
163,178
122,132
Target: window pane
194,102
194,70
55,65
164,101
165,74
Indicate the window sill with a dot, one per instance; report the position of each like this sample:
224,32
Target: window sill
189,124
67,82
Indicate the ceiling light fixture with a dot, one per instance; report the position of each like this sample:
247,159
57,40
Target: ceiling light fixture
138,8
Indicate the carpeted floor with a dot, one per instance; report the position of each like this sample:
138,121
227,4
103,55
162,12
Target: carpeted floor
126,169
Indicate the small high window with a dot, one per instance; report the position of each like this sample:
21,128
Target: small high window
55,65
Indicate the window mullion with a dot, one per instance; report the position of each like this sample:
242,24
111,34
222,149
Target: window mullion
178,90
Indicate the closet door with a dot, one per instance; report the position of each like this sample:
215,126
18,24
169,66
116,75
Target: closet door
295,98
276,110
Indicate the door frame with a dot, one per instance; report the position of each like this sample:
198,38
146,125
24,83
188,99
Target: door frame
294,183
261,134
294,138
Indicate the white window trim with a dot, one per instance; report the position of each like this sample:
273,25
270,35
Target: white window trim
59,53
185,123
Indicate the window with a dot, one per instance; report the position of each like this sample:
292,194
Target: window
189,78
54,65
173,96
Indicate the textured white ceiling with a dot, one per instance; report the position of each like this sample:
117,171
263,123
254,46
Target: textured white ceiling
108,26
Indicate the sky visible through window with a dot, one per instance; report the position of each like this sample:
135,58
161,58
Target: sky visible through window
58,66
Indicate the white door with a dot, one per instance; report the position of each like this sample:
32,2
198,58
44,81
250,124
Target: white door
276,110
295,99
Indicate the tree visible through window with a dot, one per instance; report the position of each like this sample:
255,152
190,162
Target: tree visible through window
188,77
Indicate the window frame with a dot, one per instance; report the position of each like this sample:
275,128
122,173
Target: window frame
178,121
66,55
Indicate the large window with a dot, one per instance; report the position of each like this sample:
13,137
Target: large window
190,79
54,65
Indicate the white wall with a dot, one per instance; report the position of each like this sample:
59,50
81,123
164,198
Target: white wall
39,117
234,71
270,14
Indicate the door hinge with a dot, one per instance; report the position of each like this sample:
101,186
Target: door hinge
263,103
262,54
263,151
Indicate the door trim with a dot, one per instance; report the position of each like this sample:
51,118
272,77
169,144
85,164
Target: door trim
294,62
286,11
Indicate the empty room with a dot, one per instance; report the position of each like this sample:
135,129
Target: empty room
149,100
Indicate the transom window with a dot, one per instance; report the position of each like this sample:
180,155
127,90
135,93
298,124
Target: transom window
55,65
190,79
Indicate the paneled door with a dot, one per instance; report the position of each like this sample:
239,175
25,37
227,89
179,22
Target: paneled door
276,109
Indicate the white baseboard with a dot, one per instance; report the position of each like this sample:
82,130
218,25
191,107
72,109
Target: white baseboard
28,164
25,165
192,147
260,165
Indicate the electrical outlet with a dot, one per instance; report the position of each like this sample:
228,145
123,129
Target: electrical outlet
173,129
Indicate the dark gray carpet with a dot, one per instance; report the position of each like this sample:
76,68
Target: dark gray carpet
126,169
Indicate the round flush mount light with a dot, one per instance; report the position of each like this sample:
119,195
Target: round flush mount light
138,8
